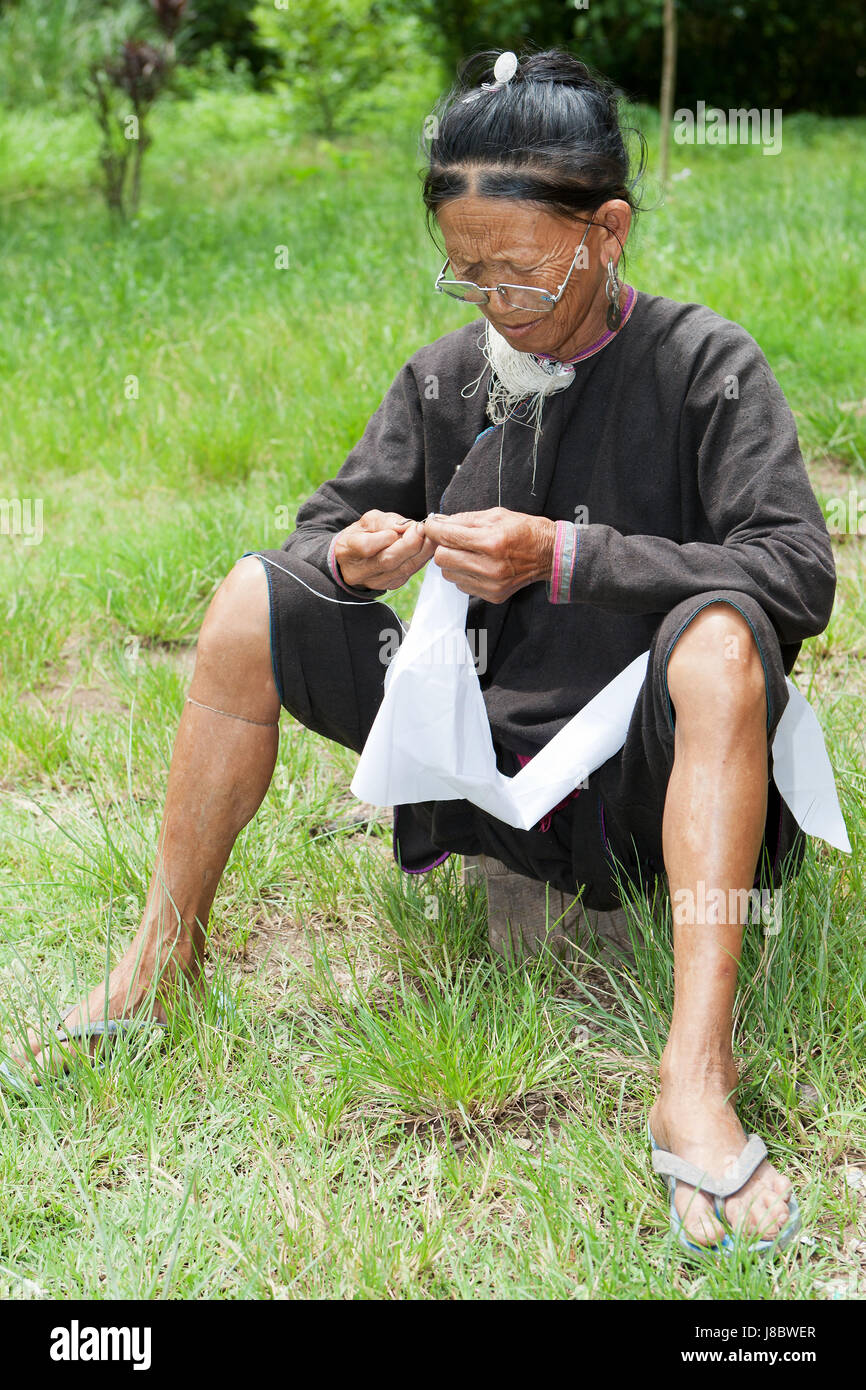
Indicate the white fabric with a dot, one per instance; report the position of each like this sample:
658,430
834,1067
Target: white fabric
431,738
804,775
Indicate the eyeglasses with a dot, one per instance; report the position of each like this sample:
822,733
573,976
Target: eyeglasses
518,296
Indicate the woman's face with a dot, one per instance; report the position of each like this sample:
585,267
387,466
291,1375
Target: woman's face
500,241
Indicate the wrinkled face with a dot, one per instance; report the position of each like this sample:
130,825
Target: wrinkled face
504,241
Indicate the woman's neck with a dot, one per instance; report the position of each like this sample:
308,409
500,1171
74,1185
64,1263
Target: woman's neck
594,332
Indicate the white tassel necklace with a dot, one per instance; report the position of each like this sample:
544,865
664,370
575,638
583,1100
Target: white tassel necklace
517,378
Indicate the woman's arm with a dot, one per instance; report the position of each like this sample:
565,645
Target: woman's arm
381,481
771,539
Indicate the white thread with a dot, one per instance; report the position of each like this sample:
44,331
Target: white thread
517,378
349,603
515,374
472,386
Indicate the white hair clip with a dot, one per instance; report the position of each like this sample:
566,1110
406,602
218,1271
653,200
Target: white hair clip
503,70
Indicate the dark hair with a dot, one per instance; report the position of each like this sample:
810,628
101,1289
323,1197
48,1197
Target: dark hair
552,136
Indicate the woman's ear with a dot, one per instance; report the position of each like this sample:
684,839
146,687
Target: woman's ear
615,217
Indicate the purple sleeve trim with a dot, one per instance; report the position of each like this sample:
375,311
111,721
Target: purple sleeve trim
565,550
572,562
558,539
556,578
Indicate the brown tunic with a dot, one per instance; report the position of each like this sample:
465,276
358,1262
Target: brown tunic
675,447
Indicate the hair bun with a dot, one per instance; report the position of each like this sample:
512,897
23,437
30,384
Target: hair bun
538,127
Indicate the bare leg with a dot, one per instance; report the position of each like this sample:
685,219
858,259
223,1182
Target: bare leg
712,831
221,768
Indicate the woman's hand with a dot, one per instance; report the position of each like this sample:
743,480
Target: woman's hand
492,554
381,550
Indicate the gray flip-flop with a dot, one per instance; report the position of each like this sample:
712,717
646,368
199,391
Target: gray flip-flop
106,1027
22,1084
673,1169
13,1081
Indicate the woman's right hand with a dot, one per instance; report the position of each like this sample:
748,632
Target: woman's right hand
381,550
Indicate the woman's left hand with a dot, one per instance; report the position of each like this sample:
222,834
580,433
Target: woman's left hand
494,553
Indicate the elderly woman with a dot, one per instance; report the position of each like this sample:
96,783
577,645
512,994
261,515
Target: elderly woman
663,506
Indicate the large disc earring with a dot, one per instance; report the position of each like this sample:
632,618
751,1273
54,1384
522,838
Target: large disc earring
612,289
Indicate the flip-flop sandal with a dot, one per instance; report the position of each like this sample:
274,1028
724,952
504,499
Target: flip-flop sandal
226,1009
110,1029
16,1082
672,1169
22,1083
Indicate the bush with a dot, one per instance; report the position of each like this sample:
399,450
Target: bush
338,52
231,26
800,55
796,54
47,46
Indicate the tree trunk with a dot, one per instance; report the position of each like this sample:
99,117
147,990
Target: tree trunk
669,77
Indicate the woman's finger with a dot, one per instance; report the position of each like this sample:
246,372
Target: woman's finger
463,563
366,545
393,576
460,537
383,521
406,548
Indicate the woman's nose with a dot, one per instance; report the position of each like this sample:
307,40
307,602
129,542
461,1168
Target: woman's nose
498,302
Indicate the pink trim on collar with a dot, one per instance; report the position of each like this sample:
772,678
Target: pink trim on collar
630,301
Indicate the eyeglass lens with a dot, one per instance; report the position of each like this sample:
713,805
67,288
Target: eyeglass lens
518,296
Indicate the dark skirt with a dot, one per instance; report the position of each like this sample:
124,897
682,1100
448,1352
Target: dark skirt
330,653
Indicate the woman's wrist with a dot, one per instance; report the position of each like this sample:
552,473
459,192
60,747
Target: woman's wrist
336,568
546,547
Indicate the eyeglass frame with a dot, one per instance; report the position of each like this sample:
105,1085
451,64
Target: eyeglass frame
486,289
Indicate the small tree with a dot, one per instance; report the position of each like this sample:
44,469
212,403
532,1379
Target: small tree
336,49
669,77
170,16
140,73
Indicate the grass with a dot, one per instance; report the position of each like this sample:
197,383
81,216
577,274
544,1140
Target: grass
382,1112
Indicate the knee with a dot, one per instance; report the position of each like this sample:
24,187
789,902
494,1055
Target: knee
238,619
715,668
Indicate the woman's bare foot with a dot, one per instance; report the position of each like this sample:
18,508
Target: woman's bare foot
221,767
699,1124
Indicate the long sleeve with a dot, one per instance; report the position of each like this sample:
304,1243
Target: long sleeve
770,540
384,470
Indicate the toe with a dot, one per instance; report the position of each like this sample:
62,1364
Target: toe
779,1214
703,1230
697,1217
765,1213
777,1191
766,1221
781,1185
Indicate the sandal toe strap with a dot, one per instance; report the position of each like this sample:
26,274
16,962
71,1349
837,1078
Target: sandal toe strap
670,1165
104,1027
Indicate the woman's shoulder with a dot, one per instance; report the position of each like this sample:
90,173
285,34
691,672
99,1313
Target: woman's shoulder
430,382
689,329
452,355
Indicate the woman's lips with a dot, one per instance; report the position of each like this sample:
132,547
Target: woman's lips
517,330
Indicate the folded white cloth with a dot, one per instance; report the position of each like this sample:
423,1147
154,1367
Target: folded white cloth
431,738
